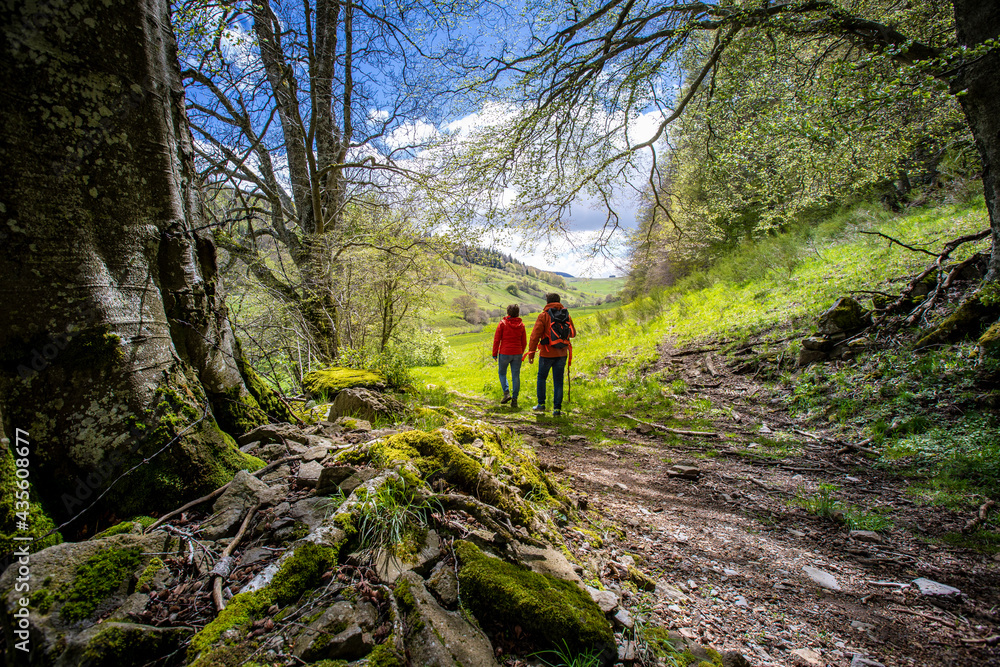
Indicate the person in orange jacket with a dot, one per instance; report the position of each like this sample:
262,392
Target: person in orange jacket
509,342
550,357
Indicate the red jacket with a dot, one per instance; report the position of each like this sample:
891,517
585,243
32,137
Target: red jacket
510,337
538,332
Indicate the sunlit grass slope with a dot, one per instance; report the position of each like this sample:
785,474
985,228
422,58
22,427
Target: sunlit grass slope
752,292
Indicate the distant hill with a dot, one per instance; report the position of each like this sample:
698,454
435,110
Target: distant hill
476,286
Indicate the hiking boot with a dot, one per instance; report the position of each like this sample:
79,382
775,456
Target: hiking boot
513,403
557,413
506,397
538,408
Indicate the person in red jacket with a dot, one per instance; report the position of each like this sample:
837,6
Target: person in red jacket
509,342
551,358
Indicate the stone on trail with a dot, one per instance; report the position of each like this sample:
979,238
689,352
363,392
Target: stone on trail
807,657
869,536
317,453
365,404
243,492
606,600
858,661
624,619
685,472
620,486
309,473
437,637
332,477
931,587
821,577
443,582
343,632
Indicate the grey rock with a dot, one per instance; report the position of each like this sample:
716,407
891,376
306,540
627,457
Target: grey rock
807,657
807,357
686,472
741,601
442,638
317,453
606,600
869,536
624,619
274,433
353,424
53,641
272,452
366,404
362,476
331,478
627,651
931,587
244,492
343,632
817,343
389,567
443,582
668,592
114,643
546,560
858,661
249,447
845,316
309,473
821,577
278,474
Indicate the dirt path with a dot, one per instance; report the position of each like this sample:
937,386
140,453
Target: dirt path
734,546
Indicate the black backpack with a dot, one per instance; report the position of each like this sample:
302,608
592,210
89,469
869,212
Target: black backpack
558,332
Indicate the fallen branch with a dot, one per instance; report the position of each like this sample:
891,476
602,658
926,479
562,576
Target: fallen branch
860,447
943,622
676,431
898,242
687,353
992,640
807,434
218,492
223,568
709,365
981,516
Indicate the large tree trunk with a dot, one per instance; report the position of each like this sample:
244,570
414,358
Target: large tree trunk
115,343
975,22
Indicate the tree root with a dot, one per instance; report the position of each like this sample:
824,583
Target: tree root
492,518
223,567
982,515
218,492
676,431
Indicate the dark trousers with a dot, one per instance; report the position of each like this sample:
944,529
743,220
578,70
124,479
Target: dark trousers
558,367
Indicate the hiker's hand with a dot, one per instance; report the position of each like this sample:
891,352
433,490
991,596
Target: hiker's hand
531,357
494,357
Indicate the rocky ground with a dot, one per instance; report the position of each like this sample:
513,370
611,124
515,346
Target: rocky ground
739,563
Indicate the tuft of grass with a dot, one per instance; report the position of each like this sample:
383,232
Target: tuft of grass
564,657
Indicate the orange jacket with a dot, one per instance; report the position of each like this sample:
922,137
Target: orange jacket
538,332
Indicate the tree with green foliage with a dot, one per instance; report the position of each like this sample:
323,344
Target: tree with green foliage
116,347
312,112
592,71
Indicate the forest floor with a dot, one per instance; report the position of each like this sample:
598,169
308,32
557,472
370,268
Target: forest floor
733,543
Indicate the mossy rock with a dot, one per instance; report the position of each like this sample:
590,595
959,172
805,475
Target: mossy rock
989,342
438,453
329,381
113,644
550,610
77,583
967,320
845,316
299,574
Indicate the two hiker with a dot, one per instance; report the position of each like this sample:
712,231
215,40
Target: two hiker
550,338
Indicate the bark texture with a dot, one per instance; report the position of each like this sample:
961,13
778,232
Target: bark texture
979,85
114,336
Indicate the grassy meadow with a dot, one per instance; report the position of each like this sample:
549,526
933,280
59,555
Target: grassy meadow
772,293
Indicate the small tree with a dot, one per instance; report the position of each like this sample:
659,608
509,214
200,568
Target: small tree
512,290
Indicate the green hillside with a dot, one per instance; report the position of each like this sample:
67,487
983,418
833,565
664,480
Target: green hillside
490,290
